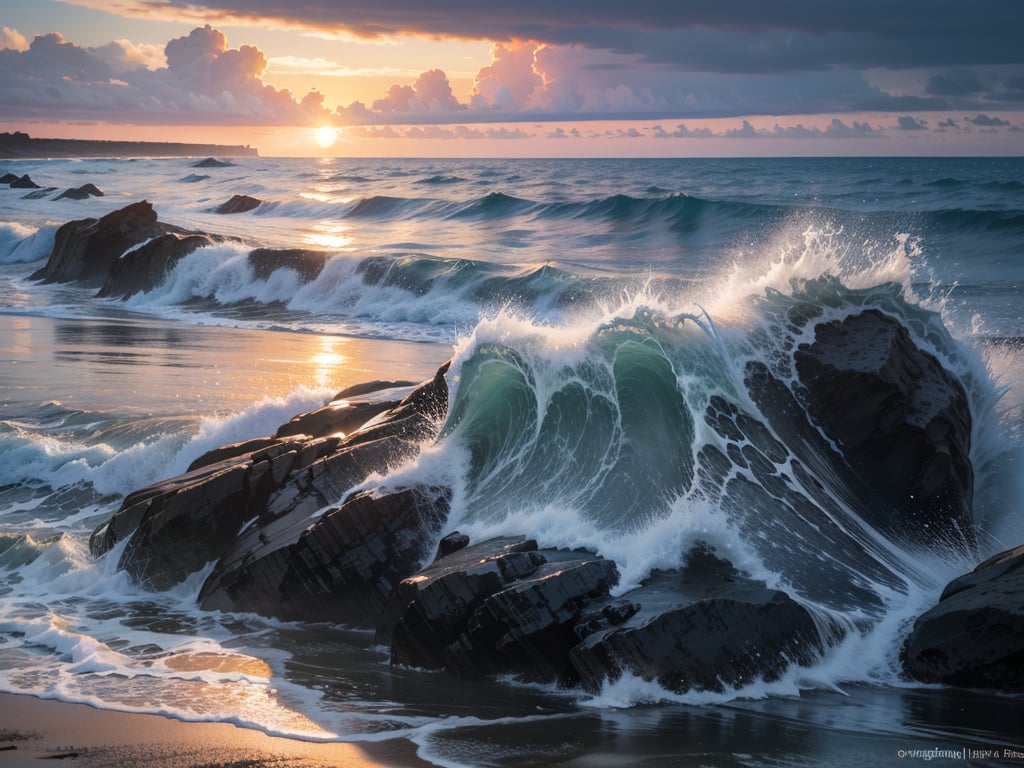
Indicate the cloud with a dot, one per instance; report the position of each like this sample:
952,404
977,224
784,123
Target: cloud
421,132
986,121
12,39
702,35
959,83
508,82
320,67
909,123
195,79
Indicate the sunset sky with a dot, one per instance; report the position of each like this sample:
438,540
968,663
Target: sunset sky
527,78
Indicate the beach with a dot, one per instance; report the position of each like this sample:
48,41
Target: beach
36,729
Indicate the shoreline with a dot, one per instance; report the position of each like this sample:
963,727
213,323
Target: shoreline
34,729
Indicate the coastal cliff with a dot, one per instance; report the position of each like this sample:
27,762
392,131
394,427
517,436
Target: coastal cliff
19,145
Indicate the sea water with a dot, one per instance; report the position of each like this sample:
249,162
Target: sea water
592,309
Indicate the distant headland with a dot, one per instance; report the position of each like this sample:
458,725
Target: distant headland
21,145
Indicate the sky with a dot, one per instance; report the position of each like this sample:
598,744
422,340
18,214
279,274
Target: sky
526,78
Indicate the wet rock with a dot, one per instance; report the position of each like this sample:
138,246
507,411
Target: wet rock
370,387
974,636
177,526
80,193
8,178
147,266
705,627
902,420
237,203
339,416
86,249
528,628
250,575
431,608
24,182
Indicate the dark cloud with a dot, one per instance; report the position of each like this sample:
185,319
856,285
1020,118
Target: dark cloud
987,121
702,35
909,123
961,83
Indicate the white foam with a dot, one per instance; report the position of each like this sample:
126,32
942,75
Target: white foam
21,243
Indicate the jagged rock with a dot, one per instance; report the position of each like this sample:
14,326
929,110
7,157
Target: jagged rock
211,162
527,628
251,573
974,636
147,266
335,417
346,565
8,178
898,423
703,628
430,609
237,203
233,451
80,193
450,544
24,182
369,387
309,264
86,249
179,525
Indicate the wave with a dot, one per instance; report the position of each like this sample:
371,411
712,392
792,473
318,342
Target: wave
20,243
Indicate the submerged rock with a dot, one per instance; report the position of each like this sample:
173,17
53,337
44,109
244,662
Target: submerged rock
307,263
974,636
86,249
24,182
80,193
237,203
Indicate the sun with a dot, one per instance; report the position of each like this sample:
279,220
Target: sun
326,136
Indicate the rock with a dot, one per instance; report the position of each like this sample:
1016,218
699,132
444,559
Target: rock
233,451
528,628
250,575
703,628
39,194
974,636
86,249
309,264
369,387
450,544
346,565
177,526
237,203
80,193
24,182
144,268
337,417
8,178
211,162
431,608
902,421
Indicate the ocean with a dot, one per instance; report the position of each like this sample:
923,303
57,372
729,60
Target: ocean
574,298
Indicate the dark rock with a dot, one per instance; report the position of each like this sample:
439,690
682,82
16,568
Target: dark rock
251,573
703,628
335,417
211,162
974,636
902,421
238,203
346,565
177,526
232,451
527,629
39,194
309,264
450,544
80,193
369,387
8,178
24,182
430,609
86,249
144,268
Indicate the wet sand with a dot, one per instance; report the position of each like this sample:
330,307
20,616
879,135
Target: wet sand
34,730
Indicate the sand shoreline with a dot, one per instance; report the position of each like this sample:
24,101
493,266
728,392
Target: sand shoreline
33,729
